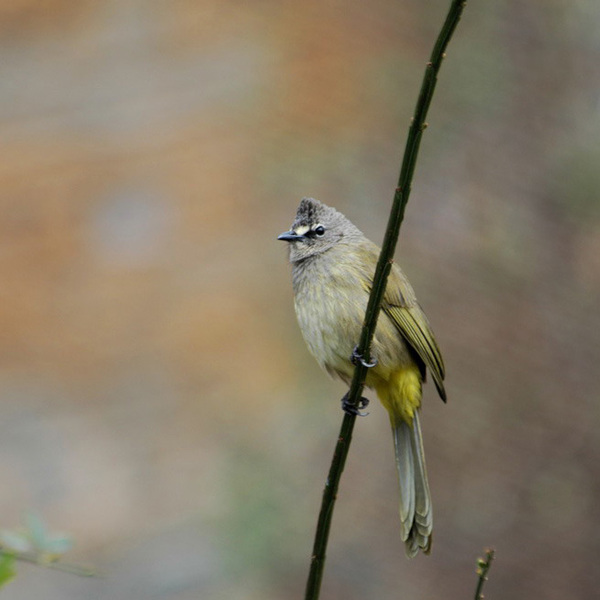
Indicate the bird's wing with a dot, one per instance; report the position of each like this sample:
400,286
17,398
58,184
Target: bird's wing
413,325
401,306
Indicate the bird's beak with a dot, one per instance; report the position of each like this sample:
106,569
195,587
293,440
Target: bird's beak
289,236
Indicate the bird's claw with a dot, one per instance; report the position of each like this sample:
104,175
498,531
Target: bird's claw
350,409
359,359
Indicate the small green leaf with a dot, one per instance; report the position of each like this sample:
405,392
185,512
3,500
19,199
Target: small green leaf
7,571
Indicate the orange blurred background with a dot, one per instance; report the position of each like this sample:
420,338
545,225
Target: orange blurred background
158,402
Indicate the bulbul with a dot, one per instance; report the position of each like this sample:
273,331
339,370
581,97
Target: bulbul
333,265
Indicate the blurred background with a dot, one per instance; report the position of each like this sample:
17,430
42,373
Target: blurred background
158,403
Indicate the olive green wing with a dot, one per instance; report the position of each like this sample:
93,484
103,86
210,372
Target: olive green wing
401,306
413,325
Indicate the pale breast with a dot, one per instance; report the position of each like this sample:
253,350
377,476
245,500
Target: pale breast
330,304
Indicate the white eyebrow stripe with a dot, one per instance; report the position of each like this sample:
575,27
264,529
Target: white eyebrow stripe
302,229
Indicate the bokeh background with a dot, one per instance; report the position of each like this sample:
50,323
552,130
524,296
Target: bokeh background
157,401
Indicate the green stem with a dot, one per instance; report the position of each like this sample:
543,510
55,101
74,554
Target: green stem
483,567
402,193
317,562
384,265
36,559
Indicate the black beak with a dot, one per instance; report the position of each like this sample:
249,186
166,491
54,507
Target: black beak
289,236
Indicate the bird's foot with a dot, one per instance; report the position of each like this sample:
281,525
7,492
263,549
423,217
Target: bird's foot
350,409
359,359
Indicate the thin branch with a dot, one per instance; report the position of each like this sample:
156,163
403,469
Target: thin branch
483,566
382,271
35,559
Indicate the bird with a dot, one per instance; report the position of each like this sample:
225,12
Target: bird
333,266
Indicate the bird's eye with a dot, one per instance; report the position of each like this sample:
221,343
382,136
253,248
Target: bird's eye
320,230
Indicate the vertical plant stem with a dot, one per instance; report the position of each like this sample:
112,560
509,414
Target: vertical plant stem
384,265
317,561
483,567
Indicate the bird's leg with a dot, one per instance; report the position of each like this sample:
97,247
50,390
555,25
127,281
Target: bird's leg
350,409
359,359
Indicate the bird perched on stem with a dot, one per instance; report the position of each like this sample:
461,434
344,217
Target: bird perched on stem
333,265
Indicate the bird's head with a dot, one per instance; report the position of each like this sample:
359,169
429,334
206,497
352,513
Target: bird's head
316,229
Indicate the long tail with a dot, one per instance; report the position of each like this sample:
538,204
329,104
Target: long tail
415,498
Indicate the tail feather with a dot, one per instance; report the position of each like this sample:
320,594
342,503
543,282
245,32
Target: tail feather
406,474
423,512
415,498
